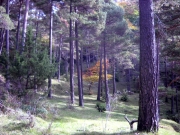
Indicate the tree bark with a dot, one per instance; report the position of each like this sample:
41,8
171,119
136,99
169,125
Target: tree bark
18,26
71,58
87,57
78,68
105,76
50,49
148,119
165,66
128,80
114,76
59,58
25,24
177,108
66,69
7,49
100,75
2,38
172,104
81,56
37,25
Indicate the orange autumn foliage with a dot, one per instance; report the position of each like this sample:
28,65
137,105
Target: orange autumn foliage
92,74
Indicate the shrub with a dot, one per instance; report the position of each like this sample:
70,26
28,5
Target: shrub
124,97
101,107
29,68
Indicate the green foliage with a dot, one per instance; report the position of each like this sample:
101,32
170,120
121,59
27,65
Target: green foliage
30,67
36,109
5,21
124,97
101,107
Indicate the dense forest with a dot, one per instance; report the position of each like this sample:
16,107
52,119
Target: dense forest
89,67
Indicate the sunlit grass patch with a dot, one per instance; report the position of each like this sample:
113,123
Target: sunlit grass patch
87,120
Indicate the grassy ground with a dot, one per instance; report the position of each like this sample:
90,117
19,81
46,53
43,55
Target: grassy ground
59,118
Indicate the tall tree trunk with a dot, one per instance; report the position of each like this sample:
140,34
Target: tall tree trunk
59,58
2,38
78,68
165,66
100,75
81,56
25,24
66,69
148,119
7,49
87,57
37,25
105,76
177,108
35,49
18,26
172,104
71,58
128,80
50,49
114,77
176,97
158,74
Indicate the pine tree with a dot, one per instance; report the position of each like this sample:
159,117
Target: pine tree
148,119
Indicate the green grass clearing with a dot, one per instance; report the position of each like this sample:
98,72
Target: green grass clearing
86,120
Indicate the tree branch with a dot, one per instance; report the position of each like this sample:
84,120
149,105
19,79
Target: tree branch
130,122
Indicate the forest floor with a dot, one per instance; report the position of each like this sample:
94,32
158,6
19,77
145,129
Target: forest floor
56,116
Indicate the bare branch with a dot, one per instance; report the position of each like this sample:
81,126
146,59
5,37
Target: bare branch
130,122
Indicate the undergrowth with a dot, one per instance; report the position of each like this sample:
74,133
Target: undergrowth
42,116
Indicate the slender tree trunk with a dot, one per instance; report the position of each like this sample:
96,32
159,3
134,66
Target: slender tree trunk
105,76
2,38
37,26
172,104
27,80
78,68
18,26
66,69
81,55
100,75
50,49
148,97
7,49
176,97
173,85
71,58
158,75
102,87
59,58
87,57
165,66
128,80
177,108
114,77
25,24
35,49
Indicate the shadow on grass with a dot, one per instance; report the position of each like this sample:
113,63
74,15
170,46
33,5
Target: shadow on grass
15,126
174,125
97,133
